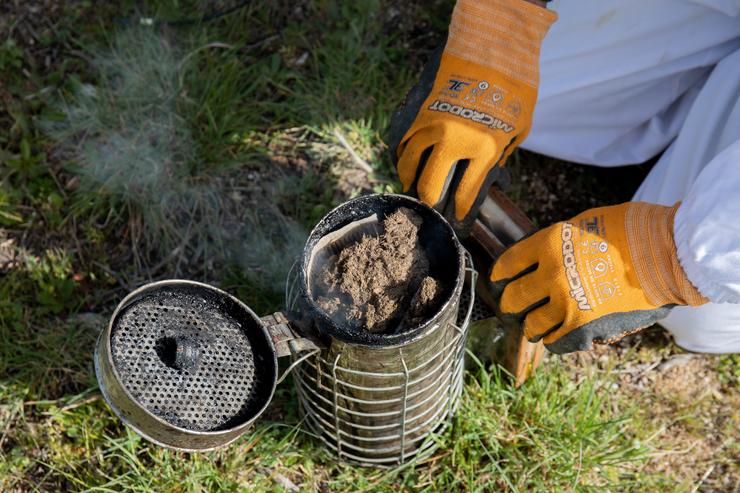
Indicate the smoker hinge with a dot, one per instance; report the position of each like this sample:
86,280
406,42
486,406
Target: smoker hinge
286,341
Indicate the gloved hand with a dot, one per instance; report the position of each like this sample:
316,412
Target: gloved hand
605,273
472,105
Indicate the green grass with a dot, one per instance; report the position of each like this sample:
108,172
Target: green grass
208,151
551,435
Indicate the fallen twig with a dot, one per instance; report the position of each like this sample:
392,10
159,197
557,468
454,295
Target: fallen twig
75,405
355,157
703,478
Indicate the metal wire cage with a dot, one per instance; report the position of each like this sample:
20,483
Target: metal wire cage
382,406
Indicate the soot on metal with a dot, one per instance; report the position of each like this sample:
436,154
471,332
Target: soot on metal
188,357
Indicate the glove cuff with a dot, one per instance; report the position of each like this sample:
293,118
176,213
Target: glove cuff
649,230
504,35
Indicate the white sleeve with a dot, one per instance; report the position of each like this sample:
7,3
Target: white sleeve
728,7
707,228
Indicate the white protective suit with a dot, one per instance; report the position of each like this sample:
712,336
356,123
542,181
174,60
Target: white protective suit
623,80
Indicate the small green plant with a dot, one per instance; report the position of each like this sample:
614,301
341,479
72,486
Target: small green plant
728,368
54,285
11,56
9,214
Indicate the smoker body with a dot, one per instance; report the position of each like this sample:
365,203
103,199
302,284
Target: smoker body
376,400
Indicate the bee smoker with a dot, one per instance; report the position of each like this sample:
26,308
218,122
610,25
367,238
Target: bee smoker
190,367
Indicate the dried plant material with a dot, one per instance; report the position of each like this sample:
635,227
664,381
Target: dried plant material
424,299
373,282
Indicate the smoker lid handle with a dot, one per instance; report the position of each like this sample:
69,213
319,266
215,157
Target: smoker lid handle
499,224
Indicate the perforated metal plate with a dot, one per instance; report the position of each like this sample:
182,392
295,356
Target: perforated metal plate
185,359
480,309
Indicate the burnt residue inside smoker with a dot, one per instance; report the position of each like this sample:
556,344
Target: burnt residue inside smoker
435,237
192,358
376,277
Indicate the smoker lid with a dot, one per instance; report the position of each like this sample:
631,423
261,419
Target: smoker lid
193,356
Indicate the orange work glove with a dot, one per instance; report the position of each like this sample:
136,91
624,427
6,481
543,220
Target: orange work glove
604,274
472,106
